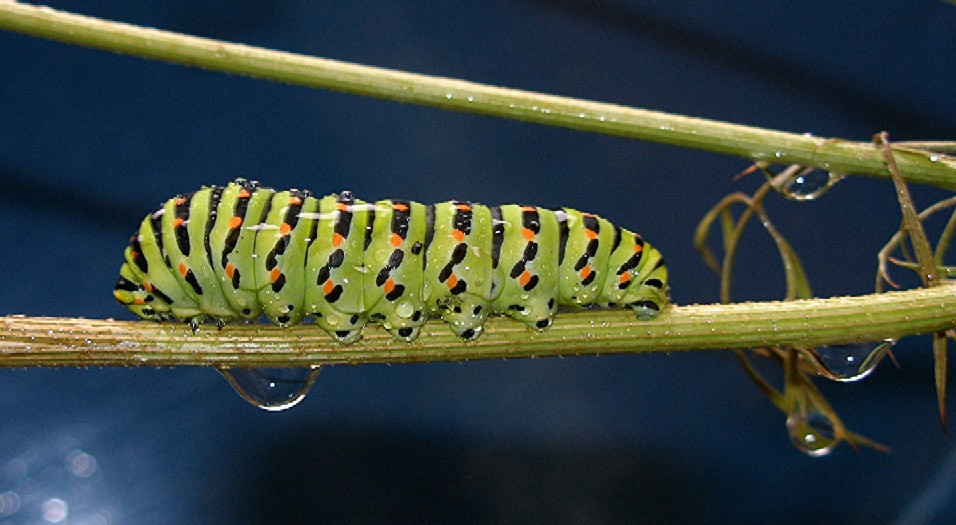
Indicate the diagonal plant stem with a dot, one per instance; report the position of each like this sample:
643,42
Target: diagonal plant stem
756,144
38,341
926,262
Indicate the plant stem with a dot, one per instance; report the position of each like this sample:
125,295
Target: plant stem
756,144
40,341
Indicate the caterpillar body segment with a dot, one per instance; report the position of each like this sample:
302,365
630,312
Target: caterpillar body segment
242,251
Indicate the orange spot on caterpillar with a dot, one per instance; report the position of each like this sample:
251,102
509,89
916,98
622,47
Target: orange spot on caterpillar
177,222
337,240
341,206
328,287
638,248
528,209
625,277
295,201
230,270
458,235
396,240
147,286
452,281
389,285
244,194
527,234
524,278
183,270
235,222
179,201
585,272
275,274
139,300
590,234
133,254
284,228
462,207
398,206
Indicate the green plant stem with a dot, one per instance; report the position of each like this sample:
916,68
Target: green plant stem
39,341
756,144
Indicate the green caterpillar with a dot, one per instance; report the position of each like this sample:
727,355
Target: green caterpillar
240,251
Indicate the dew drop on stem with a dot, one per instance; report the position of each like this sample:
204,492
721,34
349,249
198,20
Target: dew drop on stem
805,184
272,389
848,363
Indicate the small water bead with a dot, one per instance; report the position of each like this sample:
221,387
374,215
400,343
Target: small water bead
272,389
808,184
811,432
404,309
848,363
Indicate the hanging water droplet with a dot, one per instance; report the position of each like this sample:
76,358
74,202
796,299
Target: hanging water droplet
271,389
811,432
808,184
802,183
847,363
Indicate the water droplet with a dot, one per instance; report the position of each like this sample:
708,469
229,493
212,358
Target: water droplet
449,95
934,158
806,184
847,363
271,389
811,432
404,309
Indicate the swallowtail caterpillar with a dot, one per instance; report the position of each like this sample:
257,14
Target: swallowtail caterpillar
240,251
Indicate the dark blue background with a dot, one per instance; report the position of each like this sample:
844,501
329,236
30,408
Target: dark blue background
90,142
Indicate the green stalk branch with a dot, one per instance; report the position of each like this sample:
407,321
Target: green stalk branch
41,341
755,144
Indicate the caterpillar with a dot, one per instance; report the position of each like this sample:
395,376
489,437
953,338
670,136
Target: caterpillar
242,251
